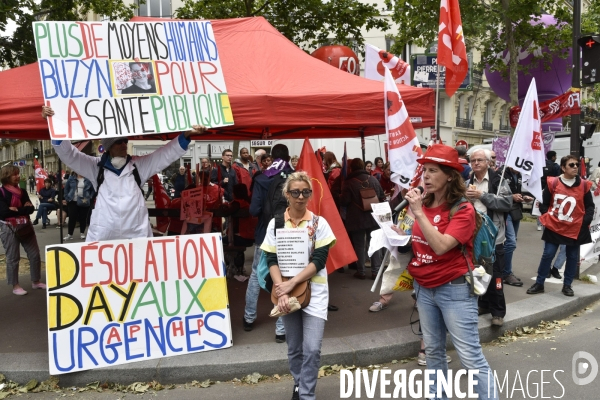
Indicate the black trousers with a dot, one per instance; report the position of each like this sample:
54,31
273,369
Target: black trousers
77,213
493,299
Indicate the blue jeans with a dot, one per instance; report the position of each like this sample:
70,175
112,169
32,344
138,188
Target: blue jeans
452,308
572,253
252,293
561,257
304,337
43,212
510,244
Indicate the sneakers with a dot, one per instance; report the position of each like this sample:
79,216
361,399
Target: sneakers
422,360
539,228
247,325
296,393
512,280
377,306
497,321
279,338
68,237
82,236
554,273
20,292
535,289
39,285
567,290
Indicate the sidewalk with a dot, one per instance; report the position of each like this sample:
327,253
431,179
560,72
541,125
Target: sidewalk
353,335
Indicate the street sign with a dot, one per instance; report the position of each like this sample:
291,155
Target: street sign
261,143
462,143
424,68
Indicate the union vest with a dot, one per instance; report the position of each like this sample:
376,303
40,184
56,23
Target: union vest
566,212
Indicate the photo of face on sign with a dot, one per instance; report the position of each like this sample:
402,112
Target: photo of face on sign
134,77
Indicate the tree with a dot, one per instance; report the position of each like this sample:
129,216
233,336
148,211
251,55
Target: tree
308,23
19,48
492,27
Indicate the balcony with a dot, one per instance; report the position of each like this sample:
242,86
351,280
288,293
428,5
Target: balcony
504,128
487,126
465,123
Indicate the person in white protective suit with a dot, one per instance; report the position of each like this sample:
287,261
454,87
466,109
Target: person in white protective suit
120,211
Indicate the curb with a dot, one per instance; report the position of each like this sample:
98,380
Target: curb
268,359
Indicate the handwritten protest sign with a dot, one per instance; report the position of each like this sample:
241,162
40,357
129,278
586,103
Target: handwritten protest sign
116,302
109,79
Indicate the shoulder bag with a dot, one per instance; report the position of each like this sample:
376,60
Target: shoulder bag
368,196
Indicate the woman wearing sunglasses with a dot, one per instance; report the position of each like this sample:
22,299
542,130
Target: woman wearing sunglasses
567,207
120,211
303,328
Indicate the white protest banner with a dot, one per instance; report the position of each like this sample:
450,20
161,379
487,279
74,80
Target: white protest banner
292,251
115,302
592,250
526,153
404,147
376,60
110,79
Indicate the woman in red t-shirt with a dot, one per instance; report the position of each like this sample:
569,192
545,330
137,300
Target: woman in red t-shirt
439,266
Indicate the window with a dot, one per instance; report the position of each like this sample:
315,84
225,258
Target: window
389,42
155,8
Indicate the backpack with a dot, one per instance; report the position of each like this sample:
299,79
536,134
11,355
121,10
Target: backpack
275,203
485,231
262,269
484,241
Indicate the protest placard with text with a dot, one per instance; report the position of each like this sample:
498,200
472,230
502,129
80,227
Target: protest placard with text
116,302
109,79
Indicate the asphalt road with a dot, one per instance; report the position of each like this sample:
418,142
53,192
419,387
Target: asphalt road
535,365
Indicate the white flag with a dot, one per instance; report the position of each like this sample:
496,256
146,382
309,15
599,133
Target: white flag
526,153
376,60
403,145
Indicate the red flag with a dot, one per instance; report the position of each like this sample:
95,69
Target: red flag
161,200
40,175
321,203
582,168
452,52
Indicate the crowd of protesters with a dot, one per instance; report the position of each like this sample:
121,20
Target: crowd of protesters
268,186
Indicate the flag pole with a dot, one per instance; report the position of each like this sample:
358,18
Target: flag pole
437,105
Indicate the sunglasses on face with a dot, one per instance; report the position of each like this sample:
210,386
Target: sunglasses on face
573,165
121,141
296,193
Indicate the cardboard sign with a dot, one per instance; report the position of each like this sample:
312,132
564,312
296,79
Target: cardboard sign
110,79
115,302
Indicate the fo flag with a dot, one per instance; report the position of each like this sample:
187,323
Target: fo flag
40,175
452,52
526,153
321,203
376,61
404,148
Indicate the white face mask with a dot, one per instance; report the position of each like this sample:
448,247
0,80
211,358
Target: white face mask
118,162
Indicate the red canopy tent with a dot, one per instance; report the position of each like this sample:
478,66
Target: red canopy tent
276,91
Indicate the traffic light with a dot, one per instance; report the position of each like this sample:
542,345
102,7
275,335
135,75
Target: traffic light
587,130
590,59
36,153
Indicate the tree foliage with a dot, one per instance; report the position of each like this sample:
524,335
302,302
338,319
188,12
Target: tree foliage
308,23
493,26
19,49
